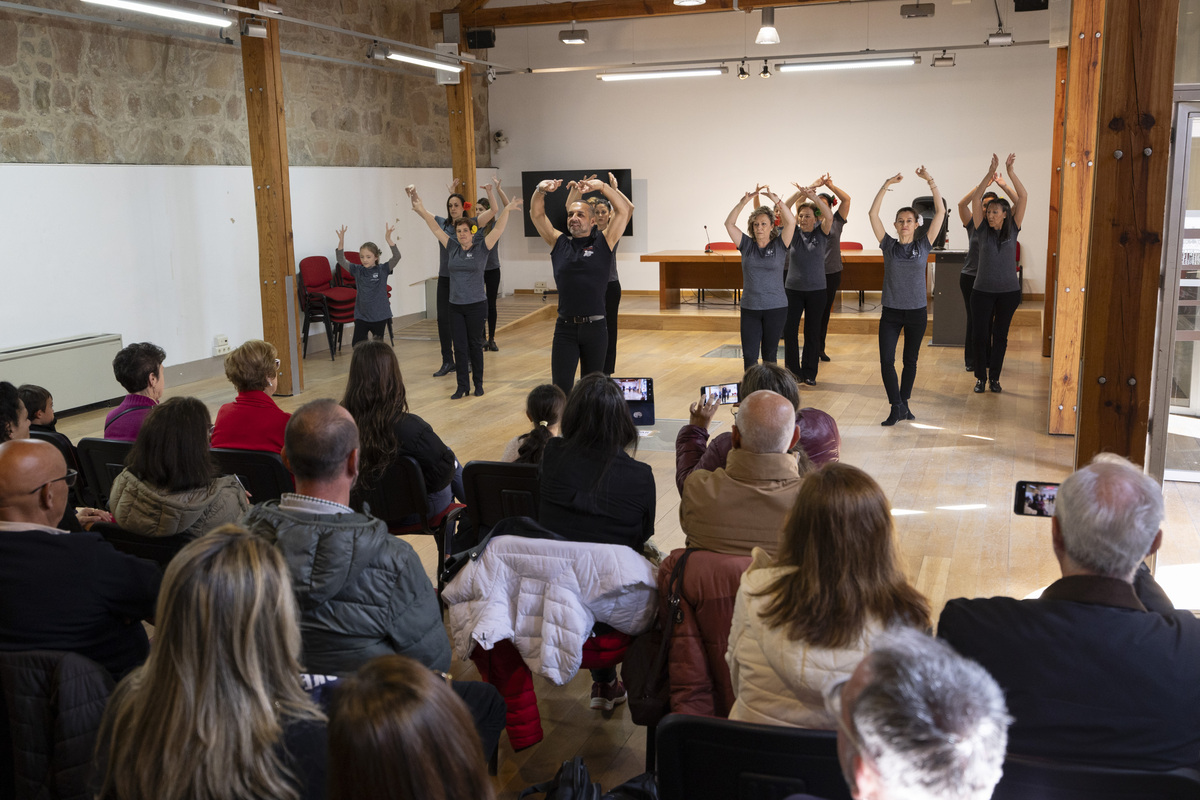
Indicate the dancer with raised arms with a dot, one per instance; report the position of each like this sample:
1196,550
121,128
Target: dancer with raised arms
840,201
904,294
764,302
966,280
582,262
805,285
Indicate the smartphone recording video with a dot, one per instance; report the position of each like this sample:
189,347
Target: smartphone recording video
722,393
636,389
1035,498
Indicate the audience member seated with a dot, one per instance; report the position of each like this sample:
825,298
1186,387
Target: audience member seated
397,732
743,505
14,419
39,405
804,619
819,437
171,483
376,399
139,369
544,408
916,721
220,694
252,421
362,592
1101,669
59,590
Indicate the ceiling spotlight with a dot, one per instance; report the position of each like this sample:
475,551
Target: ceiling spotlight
767,33
766,72
378,51
943,60
742,73
1000,39
573,36
253,29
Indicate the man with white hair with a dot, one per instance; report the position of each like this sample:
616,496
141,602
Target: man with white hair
1101,669
744,504
916,721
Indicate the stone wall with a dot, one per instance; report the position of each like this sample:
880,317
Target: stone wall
82,92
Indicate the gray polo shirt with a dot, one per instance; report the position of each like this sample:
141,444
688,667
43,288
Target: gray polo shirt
448,226
904,272
971,264
371,300
997,261
466,269
762,274
833,247
806,270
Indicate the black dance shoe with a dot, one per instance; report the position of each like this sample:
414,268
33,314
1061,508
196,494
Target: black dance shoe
492,346
979,386
825,357
459,395
479,391
447,368
809,381
896,415
994,386
907,411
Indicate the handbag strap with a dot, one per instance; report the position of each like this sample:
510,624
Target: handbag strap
674,612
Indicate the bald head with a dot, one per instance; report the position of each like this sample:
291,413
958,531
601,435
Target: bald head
30,485
318,440
765,423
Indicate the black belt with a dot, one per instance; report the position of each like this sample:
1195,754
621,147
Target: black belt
580,320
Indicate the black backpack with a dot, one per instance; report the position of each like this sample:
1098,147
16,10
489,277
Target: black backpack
571,783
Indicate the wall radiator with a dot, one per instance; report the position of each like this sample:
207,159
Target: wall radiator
77,371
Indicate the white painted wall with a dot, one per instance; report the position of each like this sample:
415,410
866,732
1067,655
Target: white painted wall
695,144
169,254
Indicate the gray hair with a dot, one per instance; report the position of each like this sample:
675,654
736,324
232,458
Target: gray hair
1108,514
765,426
933,722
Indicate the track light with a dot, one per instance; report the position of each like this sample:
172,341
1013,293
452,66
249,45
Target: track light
943,60
253,29
160,10
1000,39
573,36
766,71
767,33
742,73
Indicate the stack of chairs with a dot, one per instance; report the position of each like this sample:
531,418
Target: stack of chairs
323,302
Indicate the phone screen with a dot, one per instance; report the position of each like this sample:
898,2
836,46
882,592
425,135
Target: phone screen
723,393
634,388
1035,498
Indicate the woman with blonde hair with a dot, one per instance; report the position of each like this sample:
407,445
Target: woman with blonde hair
804,619
398,732
252,421
217,711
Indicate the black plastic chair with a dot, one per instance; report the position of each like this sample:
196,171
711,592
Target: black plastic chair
159,549
496,490
80,494
102,461
262,473
399,497
705,758
1030,779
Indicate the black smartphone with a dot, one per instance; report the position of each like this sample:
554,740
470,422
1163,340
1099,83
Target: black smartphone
723,393
1035,498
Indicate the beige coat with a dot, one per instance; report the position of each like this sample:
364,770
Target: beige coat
141,508
743,506
778,681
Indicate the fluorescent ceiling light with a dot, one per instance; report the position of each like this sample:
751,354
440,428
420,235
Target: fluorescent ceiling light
425,62
815,66
767,33
697,72
160,10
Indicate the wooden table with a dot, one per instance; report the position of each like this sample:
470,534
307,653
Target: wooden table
694,269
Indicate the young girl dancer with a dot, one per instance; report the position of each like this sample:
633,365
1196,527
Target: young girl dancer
372,310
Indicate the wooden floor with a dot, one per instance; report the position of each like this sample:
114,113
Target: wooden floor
949,475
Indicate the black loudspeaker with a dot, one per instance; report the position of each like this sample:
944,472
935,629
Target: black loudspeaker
1030,5
485,38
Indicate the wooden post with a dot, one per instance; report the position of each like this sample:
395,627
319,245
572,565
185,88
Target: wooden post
263,74
1056,150
1129,202
460,106
1075,220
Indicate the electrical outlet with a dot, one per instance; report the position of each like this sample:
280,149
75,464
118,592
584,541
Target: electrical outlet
221,345
539,287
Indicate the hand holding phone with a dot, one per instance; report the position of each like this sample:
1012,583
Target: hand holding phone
1035,498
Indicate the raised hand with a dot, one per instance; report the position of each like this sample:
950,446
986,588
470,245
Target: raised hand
923,173
995,162
514,204
549,185
388,231
341,234
452,187
899,176
1009,161
703,411
612,180
999,180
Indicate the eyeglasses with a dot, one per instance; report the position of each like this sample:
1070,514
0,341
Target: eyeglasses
69,479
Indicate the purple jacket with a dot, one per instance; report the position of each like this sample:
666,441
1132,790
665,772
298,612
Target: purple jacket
125,426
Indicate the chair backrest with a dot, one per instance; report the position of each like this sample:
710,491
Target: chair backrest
102,461
81,490
851,245
344,278
702,758
315,273
159,549
262,473
496,490
1029,779
400,494
722,246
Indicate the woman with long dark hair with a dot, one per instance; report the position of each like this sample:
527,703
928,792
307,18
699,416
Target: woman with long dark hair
764,302
997,292
171,483
803,620
375,396
219,696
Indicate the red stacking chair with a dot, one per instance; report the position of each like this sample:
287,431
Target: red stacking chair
323,302
344,278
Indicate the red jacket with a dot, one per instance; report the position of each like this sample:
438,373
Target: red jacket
251,422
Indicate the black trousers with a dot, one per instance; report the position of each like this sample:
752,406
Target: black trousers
806,306
761,329
362,328
612,304
491,282
466,322
833,281
445,334
576,344
991,315
966,284
487,709
892,321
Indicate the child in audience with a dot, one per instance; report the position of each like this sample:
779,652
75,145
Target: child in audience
39,404
372,309
544,408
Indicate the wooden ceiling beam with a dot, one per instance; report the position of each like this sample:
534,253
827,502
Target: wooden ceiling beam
564,13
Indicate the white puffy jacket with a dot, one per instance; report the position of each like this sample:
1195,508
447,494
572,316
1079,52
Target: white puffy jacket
545,596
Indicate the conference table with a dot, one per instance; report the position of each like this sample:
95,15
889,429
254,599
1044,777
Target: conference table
862,271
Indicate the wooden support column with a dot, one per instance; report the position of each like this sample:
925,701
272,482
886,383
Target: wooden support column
1075,204
1126,241
263,73
1056,150
460,105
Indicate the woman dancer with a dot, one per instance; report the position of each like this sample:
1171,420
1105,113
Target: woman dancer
805,285
491,273
904,293
764,302
466,258
839,200
455,210
966,280
997,290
